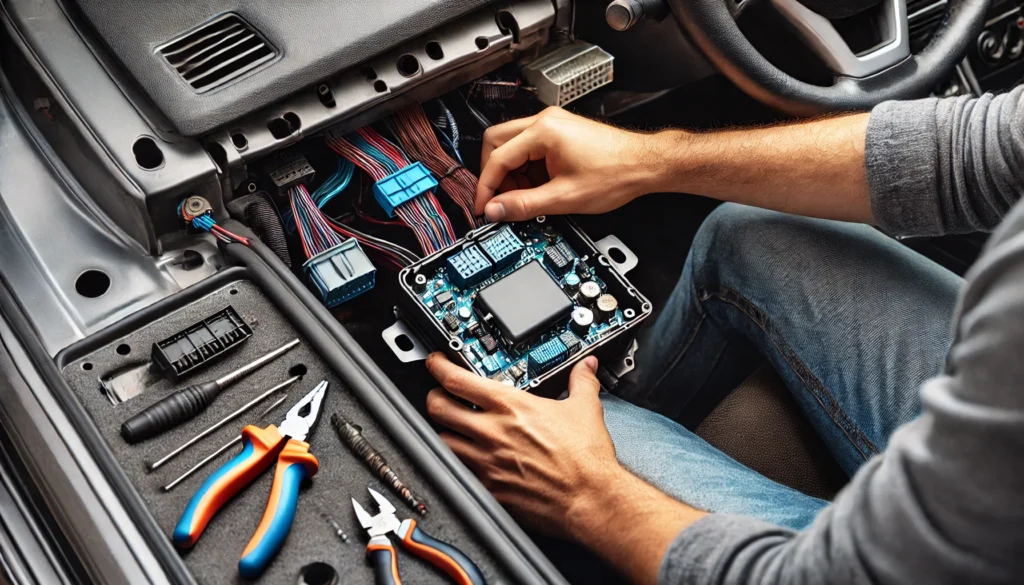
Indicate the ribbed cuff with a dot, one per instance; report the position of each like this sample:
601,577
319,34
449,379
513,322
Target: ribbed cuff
702,551
902,155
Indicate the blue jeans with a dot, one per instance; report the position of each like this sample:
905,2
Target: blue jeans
851,320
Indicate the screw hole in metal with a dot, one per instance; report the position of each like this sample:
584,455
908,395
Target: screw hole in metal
455,344
647,307
629,313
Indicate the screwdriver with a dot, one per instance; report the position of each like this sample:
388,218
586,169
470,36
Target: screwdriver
185,404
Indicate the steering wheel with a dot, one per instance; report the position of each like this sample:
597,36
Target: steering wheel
860,81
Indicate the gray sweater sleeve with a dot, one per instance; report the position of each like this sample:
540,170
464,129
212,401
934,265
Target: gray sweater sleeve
943,504
943,166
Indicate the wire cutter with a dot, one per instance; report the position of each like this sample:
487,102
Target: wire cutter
382,555
260,447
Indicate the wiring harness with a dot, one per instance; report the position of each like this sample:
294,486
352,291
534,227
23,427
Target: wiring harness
381,159
197,212
414,131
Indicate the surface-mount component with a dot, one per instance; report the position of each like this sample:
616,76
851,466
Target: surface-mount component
571,342
443,298
451,322
503,248
546,356
523,304
558,260
489,343
190,349
572,283
468,267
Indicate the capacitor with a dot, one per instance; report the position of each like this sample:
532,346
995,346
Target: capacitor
606,306
582,319
589,291
572,283
419,283
465,313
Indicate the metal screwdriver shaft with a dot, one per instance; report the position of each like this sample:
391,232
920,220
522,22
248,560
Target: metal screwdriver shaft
185,404
352,436
283,385
217,453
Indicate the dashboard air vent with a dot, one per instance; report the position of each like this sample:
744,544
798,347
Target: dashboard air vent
217,52
925,16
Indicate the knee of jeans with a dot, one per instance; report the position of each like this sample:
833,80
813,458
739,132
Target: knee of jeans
749,243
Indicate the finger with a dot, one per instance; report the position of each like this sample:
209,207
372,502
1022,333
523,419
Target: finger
510,156
457,417
467,451
583,382
510,183
524,204
483,392
496,136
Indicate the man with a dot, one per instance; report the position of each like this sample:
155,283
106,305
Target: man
920,401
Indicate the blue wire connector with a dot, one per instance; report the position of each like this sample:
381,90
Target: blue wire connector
397,188
341,273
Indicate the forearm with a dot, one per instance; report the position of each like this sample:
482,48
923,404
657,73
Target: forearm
815,168
630,524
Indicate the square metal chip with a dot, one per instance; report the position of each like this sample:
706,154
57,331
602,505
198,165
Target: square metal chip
523,304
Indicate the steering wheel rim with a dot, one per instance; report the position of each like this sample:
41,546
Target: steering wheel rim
712,27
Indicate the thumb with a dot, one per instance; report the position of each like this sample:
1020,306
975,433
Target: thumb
583,382
522,204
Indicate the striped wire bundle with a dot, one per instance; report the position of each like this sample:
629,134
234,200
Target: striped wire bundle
380,158
206,223
319,233
415,132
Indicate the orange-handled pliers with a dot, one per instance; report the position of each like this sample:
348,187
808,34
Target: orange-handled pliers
260,448
382,555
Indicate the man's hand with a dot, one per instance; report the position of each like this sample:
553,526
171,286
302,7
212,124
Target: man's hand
592,167
552,464
543,459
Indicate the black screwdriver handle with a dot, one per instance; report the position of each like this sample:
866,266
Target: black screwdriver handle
169,412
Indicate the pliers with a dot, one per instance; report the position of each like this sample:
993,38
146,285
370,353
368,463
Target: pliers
260,447
382,555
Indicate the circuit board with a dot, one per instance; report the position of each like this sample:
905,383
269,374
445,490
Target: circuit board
515,364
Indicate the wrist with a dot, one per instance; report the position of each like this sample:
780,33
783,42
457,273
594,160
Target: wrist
602,498
670,152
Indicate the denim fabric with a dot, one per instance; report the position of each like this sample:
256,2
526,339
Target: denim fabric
852,321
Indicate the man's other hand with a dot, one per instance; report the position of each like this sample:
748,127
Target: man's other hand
545,460
592,167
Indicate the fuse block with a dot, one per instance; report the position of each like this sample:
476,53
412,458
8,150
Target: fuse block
397,188
468,267
341,273
503,248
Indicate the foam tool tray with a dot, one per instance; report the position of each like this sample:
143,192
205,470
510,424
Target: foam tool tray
214,559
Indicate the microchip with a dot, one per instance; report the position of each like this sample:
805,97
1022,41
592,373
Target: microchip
503,248
473,330
489,343
451,322
571,342
557,259
546,356
443,298
468,267
523,304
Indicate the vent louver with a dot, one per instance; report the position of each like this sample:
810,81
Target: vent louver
217,52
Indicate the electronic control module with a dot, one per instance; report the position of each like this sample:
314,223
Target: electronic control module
521,302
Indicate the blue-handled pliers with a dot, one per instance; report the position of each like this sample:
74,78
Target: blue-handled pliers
260,447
